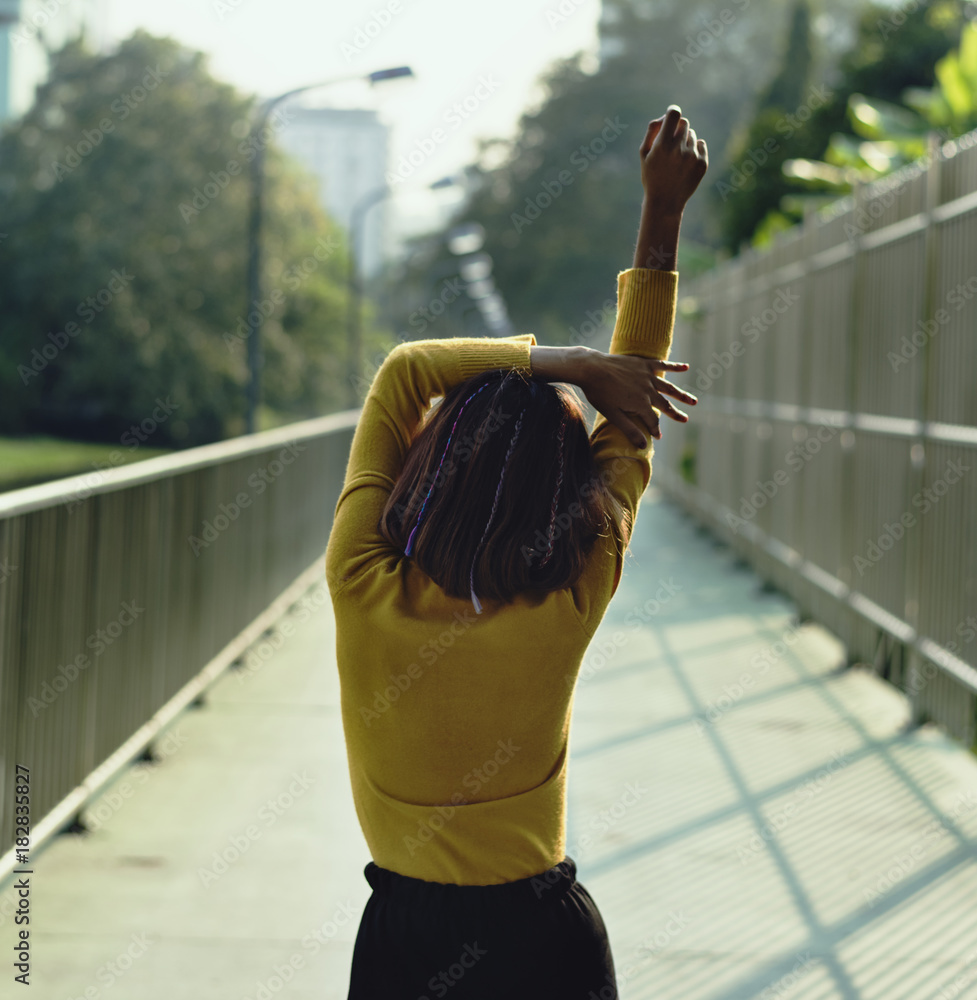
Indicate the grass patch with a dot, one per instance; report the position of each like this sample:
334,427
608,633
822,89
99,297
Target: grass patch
26,461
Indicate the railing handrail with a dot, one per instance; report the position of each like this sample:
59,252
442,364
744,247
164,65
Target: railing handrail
31,498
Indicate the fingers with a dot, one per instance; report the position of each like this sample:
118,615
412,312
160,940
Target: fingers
671,124
654,128
703,152
669,409
634,433
674,390
672,366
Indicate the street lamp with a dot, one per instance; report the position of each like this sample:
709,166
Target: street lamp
354,291
468,239
253,312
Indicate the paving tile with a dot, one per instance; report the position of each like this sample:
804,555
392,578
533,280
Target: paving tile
753,822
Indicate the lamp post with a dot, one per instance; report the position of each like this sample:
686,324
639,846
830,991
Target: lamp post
354,289
253,313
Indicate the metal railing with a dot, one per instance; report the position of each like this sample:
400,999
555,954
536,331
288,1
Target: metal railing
834,445
124,594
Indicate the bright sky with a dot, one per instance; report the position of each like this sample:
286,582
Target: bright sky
453,47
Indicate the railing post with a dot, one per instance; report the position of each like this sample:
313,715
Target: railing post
918,457
846,528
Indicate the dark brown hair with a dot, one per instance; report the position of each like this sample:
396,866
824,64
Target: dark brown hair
480,505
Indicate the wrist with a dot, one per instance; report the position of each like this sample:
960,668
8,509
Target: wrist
657,246
661,209
559,364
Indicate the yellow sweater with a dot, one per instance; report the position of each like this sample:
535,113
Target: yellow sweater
457,724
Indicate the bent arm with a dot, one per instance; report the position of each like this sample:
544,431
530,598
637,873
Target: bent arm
410,377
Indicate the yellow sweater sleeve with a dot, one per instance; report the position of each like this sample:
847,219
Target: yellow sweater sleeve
413,374
646,301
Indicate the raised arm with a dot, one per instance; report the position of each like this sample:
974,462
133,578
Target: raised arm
625,385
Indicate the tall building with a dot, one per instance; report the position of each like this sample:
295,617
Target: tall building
610,43
346,149
9,16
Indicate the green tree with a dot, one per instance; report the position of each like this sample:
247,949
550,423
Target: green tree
557,271
755,184
124,195
895,49
889,136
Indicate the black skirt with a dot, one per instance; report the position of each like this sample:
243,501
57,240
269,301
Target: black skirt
533,939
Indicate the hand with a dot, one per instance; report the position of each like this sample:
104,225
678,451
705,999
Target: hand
627,388
673,161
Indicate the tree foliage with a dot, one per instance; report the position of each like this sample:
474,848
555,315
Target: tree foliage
560,201
124,195
895,52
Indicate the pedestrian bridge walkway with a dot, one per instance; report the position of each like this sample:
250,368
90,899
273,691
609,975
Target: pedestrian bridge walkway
754,819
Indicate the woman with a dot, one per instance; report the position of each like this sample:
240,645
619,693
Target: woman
473,555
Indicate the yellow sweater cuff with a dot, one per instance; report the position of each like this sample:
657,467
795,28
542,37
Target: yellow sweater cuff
479,354
646,301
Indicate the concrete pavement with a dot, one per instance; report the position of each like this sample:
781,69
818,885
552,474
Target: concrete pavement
753,819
